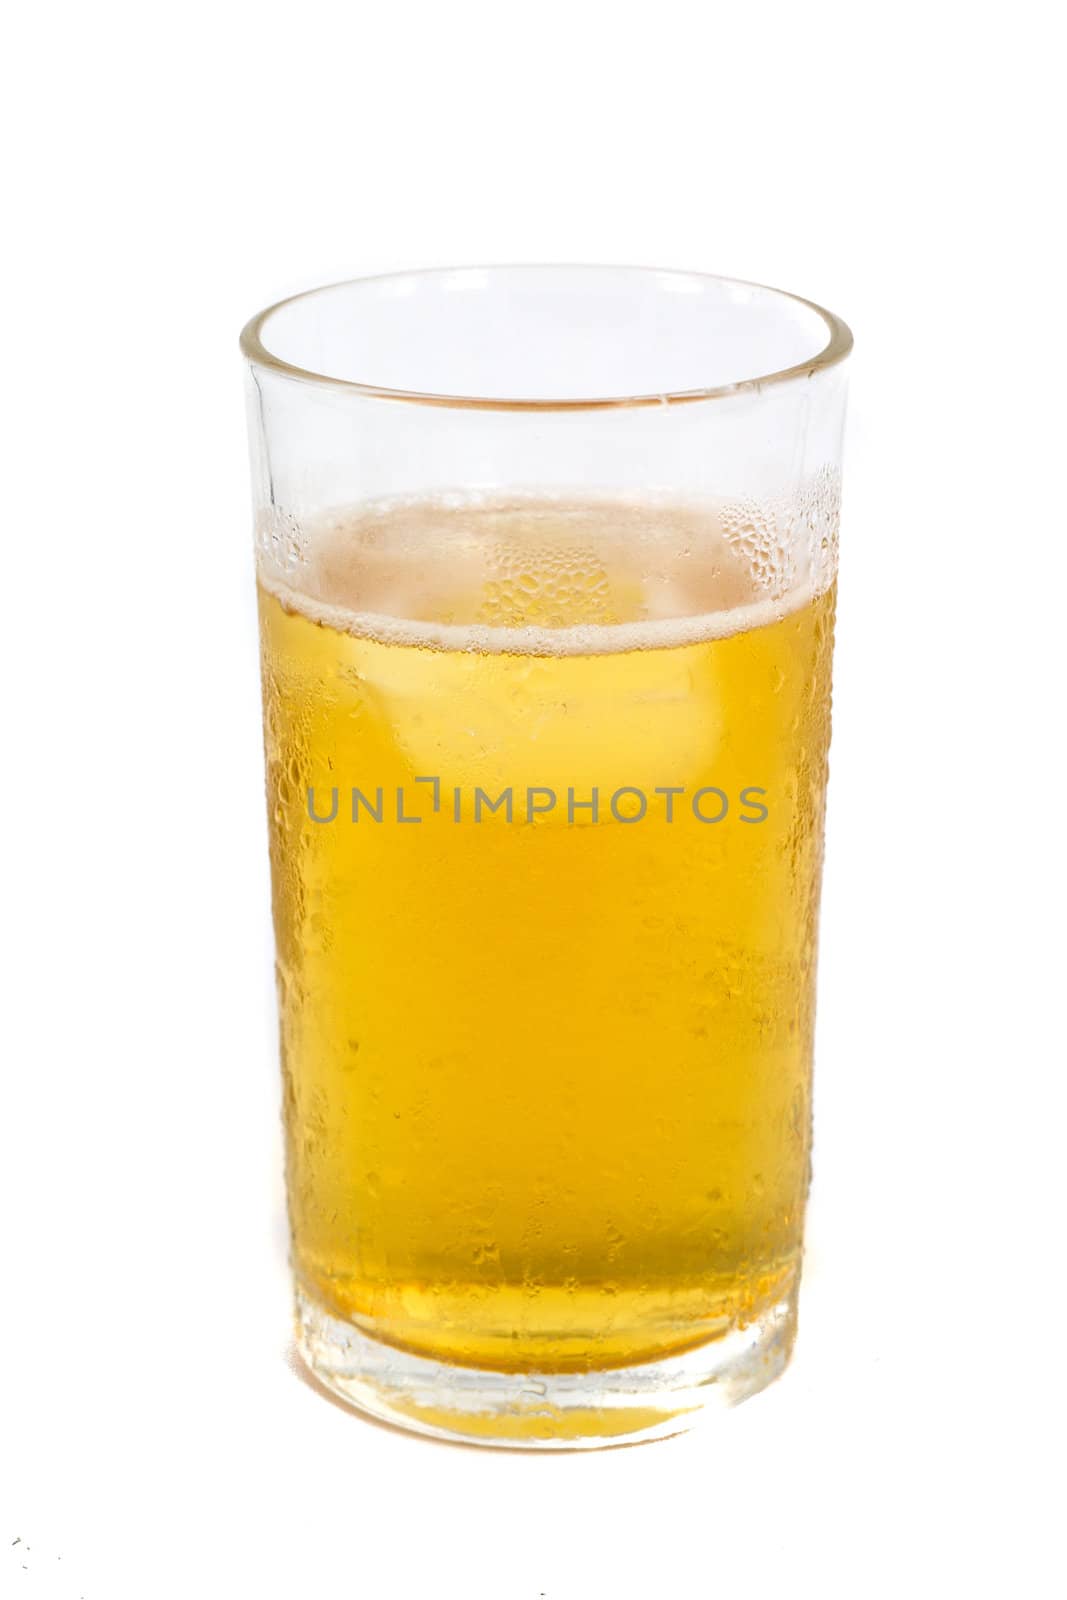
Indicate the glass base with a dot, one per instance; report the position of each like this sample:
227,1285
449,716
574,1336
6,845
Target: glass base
543,1410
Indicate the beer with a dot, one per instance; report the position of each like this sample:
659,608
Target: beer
545,787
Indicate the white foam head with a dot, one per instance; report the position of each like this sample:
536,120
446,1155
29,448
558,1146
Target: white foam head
533,575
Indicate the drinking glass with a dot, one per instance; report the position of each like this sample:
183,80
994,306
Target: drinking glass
546,561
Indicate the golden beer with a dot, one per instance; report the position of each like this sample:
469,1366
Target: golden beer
547,1058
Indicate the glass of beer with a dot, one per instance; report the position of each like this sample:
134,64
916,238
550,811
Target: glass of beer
546,560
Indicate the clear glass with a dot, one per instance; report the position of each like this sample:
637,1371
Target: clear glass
546,562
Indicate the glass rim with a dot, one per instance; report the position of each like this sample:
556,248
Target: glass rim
837,347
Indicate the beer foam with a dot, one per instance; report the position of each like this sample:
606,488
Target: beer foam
534,575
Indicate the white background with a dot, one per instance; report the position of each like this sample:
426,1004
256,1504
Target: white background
172,169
